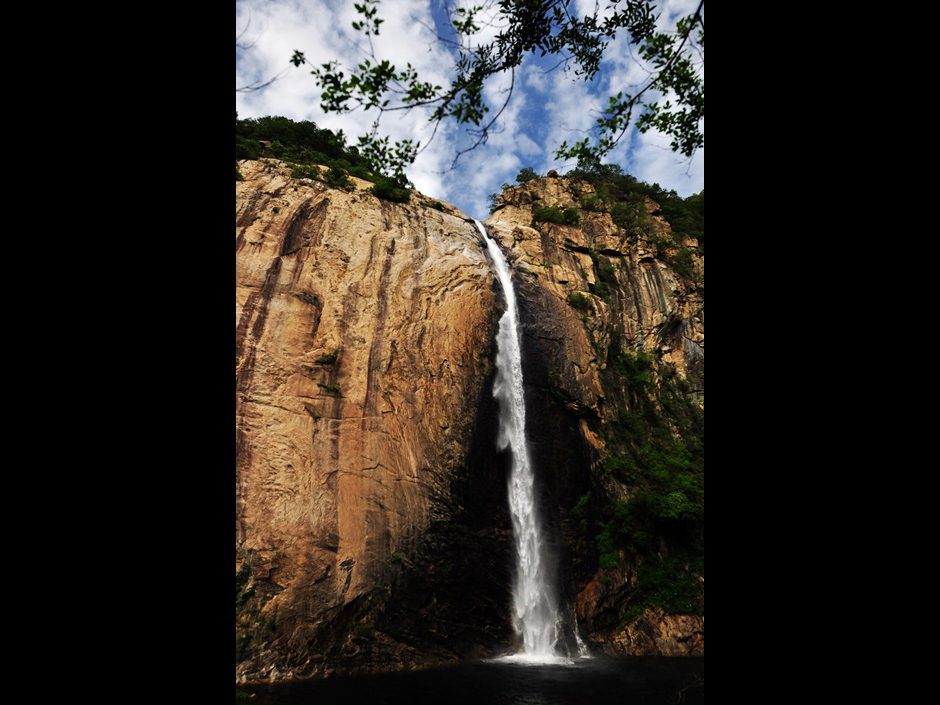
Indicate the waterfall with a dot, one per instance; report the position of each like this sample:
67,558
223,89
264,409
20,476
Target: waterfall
535,611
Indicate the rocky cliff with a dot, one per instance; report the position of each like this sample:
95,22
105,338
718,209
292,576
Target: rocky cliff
614,339
371,523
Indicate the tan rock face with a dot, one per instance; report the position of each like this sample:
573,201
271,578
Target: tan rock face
361,335
656,311
660,313
590,291
371,523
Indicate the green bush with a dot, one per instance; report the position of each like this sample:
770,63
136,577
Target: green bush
328,358
636,366
247,148
657,454
670,585
554,214
389,190
683,263
626,194
303,142
298,171
629,214
527,174
361,172
608,553
592,202
337,177
580,301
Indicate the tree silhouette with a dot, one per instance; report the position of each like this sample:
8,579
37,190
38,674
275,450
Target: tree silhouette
671,100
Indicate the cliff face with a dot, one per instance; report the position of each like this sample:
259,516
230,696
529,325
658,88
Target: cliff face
371,523
614,340
362,335
647,304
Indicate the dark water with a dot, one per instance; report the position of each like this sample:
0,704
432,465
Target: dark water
635,680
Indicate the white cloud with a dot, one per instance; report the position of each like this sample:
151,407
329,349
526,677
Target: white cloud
323,31
546,108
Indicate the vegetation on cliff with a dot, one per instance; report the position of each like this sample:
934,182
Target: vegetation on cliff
308,147
639,520
642,517
656,445
621,195
655,437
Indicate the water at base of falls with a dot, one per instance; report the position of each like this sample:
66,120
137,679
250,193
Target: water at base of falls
533,660
535,611
637,680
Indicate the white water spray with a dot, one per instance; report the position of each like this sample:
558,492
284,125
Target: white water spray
536,614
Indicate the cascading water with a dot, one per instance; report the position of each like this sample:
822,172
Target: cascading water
536,613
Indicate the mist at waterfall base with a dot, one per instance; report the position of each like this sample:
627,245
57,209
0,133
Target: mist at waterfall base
544,670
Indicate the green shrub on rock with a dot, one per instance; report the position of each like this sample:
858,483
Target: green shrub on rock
554,214
389,190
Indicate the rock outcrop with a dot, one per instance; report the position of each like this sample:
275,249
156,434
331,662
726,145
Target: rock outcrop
655,309
363,330
593,291
372,531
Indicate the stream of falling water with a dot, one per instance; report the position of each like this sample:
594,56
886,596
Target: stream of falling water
534,604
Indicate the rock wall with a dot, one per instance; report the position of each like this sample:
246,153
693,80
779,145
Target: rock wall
589,291
372,531
362,336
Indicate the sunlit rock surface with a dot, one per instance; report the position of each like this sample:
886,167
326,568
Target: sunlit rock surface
362,339
372,529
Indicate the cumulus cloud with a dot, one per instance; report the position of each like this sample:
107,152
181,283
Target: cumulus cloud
547,106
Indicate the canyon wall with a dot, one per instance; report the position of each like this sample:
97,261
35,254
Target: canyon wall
363,330
372,531
598,295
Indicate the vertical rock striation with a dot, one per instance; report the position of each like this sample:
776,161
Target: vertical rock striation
362,334
372,526
598,295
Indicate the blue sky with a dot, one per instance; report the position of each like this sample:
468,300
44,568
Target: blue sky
547,107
